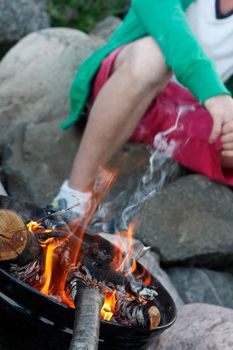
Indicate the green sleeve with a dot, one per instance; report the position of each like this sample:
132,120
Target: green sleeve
165,21
187,3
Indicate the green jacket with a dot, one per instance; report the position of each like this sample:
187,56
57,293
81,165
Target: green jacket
165,21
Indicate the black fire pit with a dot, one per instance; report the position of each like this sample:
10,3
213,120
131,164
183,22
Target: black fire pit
21,302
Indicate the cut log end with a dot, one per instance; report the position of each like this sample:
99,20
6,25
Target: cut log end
17,244
154,316
13,235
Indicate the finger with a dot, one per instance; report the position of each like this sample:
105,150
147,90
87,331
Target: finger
227,138
216,130
228,146
227,127
227,153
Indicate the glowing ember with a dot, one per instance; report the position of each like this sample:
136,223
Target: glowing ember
147,280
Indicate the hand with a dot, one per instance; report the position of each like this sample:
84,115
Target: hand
221,109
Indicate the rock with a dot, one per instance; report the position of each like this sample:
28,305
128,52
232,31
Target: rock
190,221
105,28
150,261
37,159
198,327
97,41
203,286
36,74
4,48
21,17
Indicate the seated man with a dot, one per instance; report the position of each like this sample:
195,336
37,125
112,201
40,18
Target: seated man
169,58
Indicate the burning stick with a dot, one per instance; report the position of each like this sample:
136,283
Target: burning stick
124,308
137,314
88,302
17,244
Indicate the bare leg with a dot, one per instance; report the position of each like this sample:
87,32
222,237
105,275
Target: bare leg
139,75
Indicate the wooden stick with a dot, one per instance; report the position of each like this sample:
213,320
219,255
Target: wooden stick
88,303
17,244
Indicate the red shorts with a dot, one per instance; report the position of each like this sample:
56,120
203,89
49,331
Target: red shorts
176,118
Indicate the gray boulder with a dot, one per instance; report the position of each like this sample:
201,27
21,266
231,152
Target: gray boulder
37,159
20,17
198,327
105,28
203,286
36,74
190,221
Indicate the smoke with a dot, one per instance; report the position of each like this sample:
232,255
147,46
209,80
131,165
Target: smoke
153,180
159,170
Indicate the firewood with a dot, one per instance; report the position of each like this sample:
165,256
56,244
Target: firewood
135,313
101,271
17,244
88,303
132,312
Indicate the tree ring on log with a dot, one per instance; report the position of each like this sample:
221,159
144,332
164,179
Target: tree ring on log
13,235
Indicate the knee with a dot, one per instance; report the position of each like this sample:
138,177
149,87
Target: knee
145,66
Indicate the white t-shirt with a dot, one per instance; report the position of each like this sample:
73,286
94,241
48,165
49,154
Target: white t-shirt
215,34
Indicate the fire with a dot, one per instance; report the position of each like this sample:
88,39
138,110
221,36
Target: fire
123,254
55,274
123,257
147,280
35,227
107,310
49,246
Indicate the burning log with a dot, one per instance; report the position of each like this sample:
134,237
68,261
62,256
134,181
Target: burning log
88,302
137,314
17,244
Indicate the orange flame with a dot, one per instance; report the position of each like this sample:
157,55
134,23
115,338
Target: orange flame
108,308
34,227
124,252
50,247
123,260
